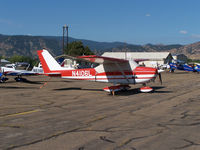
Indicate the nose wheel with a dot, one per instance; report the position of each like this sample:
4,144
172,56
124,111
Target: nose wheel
19,79
146,89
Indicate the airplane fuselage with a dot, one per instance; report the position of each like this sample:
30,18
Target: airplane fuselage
138,75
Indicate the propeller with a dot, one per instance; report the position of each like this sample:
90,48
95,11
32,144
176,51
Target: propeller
160,78
134,78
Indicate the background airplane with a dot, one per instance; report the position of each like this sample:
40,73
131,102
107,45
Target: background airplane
120,72
184,67
11,70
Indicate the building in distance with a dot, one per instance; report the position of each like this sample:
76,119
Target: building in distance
151,59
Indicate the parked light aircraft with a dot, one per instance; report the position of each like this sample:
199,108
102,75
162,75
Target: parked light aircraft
184,67
120,72
11,70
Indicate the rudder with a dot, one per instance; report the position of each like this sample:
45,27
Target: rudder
49,64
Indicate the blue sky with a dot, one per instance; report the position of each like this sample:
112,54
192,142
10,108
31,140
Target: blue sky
131,21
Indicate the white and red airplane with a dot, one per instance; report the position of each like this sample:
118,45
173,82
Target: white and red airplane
120,72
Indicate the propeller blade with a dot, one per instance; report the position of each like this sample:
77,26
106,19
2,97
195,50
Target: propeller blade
160,77
134,78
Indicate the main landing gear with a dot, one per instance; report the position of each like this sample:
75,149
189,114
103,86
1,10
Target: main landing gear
113,89
19,79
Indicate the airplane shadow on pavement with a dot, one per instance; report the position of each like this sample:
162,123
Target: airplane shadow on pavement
16,87
156,89
30,82
76,88
23,80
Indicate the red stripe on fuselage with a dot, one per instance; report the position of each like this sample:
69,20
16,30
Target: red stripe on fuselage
136,71
107,78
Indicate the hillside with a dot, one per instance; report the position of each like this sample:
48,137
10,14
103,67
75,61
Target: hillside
28,45
25,45
191,50
145,48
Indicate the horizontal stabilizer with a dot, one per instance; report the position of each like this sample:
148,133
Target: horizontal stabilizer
54,74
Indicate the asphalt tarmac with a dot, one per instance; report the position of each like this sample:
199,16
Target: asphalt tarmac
45,113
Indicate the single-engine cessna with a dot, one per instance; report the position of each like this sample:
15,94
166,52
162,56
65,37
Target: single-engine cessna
120,72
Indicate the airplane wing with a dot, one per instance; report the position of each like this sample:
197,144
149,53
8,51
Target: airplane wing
102,59
20,73
65,56
106,61
99,59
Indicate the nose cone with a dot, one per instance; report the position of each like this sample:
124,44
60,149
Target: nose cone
160,70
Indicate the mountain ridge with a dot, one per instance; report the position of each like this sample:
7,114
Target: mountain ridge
28,45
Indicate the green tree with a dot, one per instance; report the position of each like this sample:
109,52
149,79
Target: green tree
17,58
77,48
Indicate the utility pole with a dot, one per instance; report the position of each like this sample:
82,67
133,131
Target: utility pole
125,51
65,29
67,36
63,42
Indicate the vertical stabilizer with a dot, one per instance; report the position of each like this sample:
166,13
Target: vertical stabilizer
49,64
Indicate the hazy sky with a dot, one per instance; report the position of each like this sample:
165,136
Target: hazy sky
131,21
